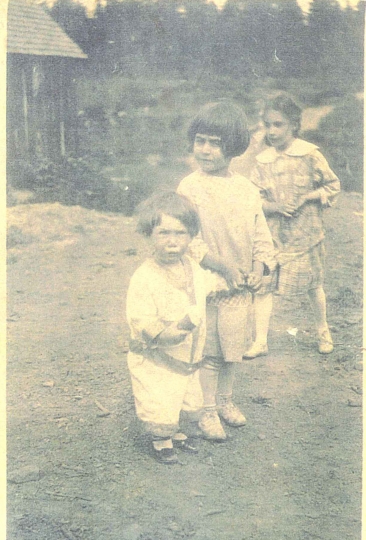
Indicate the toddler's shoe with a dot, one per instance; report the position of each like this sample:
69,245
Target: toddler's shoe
325,342
186,445
231,414
168,456
211,426
257,349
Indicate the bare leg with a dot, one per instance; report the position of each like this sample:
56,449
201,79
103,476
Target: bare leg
226,379
209,377
229,412
263,304
319,305
209,423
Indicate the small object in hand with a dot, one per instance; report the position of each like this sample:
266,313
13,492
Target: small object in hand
186,324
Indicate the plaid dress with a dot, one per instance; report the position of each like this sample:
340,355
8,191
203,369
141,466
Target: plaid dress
286,177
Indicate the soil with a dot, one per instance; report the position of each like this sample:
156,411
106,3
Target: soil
79,466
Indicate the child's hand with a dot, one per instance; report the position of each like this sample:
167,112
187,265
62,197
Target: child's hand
287,209
236,279
254,281
172,335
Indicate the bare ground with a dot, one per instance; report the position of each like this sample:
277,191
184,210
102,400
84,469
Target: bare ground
78,462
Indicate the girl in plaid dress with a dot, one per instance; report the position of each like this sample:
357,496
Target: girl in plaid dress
235,243
296,184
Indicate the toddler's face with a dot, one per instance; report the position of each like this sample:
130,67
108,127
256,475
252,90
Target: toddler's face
170,240
280,131
209,155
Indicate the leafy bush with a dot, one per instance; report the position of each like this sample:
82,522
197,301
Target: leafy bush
340,135
88,182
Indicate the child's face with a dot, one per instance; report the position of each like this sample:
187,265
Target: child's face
209,155
170,240
280,131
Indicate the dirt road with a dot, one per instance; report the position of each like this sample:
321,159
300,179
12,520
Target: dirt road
78,463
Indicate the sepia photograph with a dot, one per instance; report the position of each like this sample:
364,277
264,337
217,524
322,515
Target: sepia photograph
184,249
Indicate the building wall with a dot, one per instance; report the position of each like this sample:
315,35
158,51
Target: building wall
41,107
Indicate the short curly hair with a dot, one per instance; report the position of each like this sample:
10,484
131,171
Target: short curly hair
170,203
284,104
223,119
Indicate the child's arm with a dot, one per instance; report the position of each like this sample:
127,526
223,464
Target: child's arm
141,310
285,209
264,260
270,206
144,320
326,183
172,335
197,249
177,331
234,277
254,280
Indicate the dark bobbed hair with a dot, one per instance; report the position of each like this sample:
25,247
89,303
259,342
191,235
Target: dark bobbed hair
284,104
170,203
223,119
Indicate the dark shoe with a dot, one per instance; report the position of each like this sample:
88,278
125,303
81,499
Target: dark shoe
168,456
187,445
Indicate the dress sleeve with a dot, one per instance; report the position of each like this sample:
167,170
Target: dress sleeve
197,249
263,249
142,312
257,178
326,182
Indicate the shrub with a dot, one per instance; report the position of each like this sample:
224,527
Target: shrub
340,135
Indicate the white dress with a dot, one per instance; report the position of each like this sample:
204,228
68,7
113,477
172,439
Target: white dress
165,380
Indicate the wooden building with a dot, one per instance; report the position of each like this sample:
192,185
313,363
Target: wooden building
42,62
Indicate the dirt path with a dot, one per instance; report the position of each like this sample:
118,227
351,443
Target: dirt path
77,461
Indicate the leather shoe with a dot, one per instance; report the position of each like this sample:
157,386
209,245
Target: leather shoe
186,445
168,456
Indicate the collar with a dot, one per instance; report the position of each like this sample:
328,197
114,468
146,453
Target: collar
297,148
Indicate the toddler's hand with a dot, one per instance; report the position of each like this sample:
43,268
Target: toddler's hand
254,282
172,335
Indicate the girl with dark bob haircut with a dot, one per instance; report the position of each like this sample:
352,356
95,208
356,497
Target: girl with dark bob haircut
225,120
171,204
235,245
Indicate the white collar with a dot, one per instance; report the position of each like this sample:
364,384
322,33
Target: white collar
297,148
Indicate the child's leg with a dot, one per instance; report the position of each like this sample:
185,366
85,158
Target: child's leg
233,329
209,423
319,306
209,376
226,379
229,412
263,304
